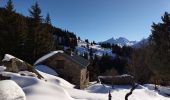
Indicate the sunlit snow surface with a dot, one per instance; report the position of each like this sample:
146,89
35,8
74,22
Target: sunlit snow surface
9,90
53,87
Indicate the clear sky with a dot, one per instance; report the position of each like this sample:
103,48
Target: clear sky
100,19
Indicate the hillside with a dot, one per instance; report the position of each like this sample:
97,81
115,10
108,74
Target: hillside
84,47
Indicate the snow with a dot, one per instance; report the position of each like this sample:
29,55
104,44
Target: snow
27,73
2,68
9,90
164,90
53,87
36,89
124,75
161,89
47,56
8,57
97,49
53,79
46,69
121,41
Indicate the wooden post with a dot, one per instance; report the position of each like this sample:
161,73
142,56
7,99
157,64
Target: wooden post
110,96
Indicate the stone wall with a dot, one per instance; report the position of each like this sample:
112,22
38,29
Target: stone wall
84,78
117,80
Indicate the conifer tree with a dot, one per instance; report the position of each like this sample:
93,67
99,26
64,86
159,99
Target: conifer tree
10,6
40,37
35,31
9,29
21,38
48,19
35,13
160,43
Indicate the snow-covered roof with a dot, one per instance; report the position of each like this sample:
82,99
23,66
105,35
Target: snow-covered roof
75,58
47,56
8,57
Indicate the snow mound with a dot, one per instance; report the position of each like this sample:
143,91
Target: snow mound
9,90
46,69
53,79
47,56
164,90
36,89
161,89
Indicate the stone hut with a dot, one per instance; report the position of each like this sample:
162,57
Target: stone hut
117,80
72,68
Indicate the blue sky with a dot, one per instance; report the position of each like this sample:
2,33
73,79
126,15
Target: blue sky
100,19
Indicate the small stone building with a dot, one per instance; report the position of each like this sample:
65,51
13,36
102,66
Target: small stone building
117,80
72,68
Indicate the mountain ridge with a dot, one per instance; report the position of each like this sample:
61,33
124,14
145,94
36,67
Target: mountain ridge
121,41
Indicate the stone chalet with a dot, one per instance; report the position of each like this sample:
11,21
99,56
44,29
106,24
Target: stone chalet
72,68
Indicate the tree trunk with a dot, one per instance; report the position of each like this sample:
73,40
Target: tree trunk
128,94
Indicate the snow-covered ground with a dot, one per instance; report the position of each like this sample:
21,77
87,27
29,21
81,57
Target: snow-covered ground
53,87
9,90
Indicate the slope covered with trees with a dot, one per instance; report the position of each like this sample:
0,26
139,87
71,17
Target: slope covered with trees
29,37
151,62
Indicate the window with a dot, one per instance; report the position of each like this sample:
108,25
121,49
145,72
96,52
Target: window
60,64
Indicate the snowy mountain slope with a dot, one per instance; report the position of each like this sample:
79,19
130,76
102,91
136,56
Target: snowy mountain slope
96,49
143,42
121,41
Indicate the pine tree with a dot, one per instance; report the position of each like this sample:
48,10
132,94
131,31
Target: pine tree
40,38
160,43
9,29
35,13
48,19
35,31
10,7
21,38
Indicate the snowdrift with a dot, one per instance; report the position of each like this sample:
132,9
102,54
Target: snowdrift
9,90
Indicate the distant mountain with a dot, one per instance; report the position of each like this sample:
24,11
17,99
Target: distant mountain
121,41
143,42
